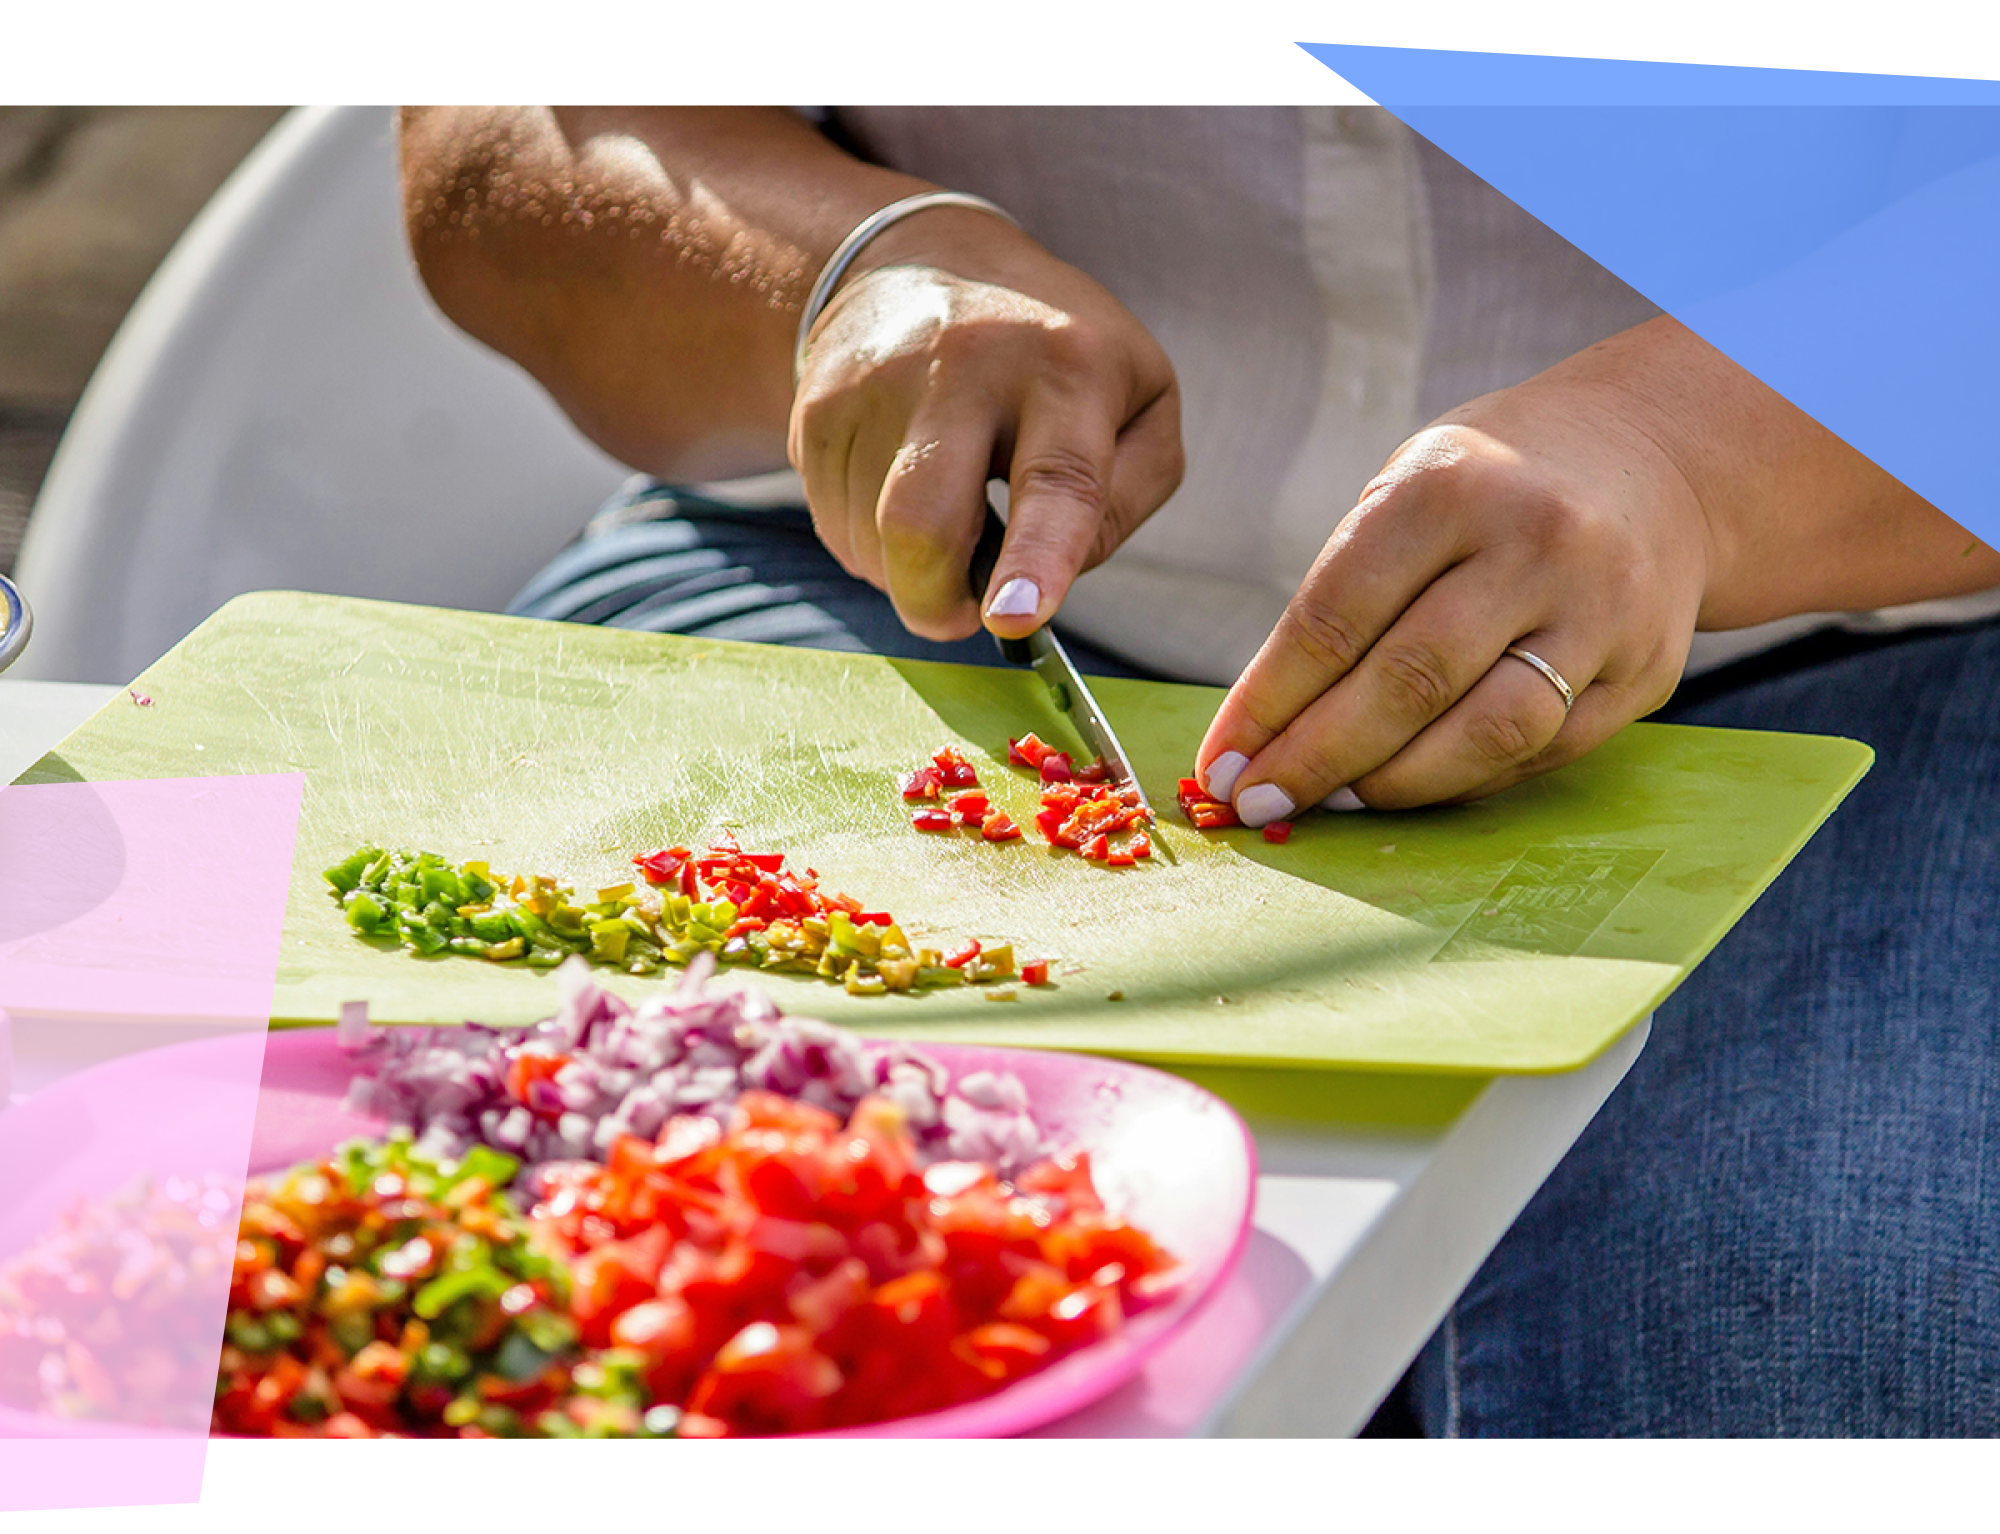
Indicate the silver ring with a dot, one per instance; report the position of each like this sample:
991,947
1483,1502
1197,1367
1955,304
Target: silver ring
15,622
1555,677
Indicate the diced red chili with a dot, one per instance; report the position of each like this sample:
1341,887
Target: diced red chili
971,808
954,770
1054,767
1026,752
1098,848
874,919
1142,846
998,828
1098,771
931,820
1035,972
963,956
1278,832
924,783
1120,860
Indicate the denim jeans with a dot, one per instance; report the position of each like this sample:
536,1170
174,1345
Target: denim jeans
1786,1220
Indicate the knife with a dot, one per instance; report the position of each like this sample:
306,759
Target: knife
1044,652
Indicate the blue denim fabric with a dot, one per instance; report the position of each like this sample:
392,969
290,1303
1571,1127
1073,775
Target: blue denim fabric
666,560
1786,1220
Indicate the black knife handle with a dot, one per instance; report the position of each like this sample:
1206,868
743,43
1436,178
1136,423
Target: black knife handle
984,558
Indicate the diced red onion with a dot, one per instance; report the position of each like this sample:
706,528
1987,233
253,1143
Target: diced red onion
686,1049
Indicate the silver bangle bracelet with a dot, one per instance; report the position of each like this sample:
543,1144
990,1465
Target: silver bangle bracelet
845,252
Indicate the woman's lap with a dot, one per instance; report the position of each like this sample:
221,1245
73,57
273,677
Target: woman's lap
1783,1220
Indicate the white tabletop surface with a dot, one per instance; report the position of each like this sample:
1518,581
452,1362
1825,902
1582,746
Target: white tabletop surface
1365,1231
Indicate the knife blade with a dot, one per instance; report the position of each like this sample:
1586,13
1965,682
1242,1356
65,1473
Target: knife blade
1044,653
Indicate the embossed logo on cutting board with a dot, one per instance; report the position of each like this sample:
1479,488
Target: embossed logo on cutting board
1550,901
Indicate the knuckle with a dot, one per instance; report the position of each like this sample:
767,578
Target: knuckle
1415,678
1499,740
1062,472
1325,636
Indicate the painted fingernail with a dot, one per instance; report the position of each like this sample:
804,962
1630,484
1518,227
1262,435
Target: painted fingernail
1262,803
1342,799
1019,598
1220,778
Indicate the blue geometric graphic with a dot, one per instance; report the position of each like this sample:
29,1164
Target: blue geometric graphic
1837,235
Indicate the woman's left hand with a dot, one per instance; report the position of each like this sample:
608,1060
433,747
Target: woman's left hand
1545,517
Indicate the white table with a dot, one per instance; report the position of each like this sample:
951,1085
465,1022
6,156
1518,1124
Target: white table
1364,1232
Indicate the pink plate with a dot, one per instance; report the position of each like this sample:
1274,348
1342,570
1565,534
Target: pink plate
1167,1155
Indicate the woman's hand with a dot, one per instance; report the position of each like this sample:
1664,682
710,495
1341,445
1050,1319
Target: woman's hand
962,351
1544,517
1595,516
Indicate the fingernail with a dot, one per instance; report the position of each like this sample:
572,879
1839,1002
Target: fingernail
1262,803
1220,778
1019,598
1342,799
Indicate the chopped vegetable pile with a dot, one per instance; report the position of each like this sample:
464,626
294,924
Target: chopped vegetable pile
743,907
737,1223
382,1291
570,1086
794,1270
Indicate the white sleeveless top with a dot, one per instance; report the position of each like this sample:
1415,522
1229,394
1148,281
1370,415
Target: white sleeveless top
1325,283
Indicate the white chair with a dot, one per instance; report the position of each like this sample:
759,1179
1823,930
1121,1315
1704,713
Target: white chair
284,407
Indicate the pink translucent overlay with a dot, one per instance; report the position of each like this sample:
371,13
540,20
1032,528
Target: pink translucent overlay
139,933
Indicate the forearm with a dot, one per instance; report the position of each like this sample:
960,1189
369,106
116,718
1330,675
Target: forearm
646,264
1798,520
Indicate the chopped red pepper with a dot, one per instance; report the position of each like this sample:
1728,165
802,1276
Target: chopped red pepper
1278,832
971,808
874,919
1054,767
1035,972
1026,752
1098,848
998,828
1142,846
963,956
1120,860
954,770
1204,812
924,783
1098,771
931,820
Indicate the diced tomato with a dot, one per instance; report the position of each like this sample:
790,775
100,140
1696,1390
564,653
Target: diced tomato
932,820
526,1069
1035,972
1278,832
1054,767
998,828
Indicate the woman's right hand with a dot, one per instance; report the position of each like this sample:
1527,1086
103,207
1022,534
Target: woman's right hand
957,351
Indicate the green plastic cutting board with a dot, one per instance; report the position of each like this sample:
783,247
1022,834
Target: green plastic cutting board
1524,933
